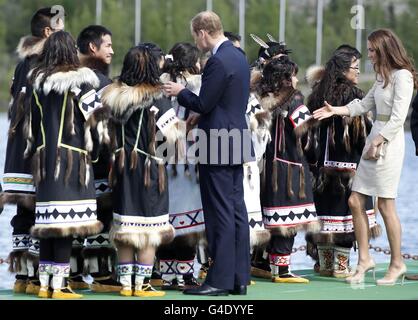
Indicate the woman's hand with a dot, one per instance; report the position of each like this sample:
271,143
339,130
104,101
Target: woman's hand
372,152
325,112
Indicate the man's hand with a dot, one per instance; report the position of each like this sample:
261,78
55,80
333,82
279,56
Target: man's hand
172,88
191,121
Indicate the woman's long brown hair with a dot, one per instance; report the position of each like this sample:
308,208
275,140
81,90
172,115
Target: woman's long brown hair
391,54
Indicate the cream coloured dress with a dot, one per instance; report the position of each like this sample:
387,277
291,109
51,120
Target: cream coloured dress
381,178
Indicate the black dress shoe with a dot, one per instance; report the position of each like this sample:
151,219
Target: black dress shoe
239,290
206,290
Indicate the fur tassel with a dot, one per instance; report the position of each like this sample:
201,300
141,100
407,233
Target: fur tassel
15,261
299,147
100,131
82,172
28,134
357,123
88,161
376,231
111,178
134,160
346,136
43,163
57,164
308,141
121,160
147,173
69,116
161,177
274,176
152,130
88,140
69,166
302,194
339,187
36,168
290,192
19,114
331,136
282,145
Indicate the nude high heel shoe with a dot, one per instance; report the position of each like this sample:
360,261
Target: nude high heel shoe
390,278
358,276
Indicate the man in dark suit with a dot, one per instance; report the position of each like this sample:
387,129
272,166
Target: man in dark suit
222,104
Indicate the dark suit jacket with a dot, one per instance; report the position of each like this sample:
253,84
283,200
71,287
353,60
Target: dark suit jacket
222,104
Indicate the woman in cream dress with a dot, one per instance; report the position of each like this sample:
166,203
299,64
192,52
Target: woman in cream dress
379,170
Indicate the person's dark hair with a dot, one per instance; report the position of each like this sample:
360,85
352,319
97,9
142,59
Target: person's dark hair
333,85
41,20
91,34
140,66
275,48
232,36
350,50
155,50
277,75
185,57
59,54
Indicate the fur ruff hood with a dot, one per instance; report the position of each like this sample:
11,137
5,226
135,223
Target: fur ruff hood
314,74
60,82
124,100
29,46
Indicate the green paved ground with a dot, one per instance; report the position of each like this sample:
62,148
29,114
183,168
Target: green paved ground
321,288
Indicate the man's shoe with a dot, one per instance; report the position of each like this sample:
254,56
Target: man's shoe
206,290
239,290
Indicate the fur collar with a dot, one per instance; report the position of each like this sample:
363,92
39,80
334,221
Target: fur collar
124,100
314,74
60,82
94,64
192,82
256,76
29,46
282,101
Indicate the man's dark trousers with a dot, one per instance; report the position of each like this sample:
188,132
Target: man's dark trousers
228,242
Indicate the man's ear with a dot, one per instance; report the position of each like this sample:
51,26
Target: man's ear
92,47
47,32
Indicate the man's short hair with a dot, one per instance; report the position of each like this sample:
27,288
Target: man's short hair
91,34
232,36
41,20
208,21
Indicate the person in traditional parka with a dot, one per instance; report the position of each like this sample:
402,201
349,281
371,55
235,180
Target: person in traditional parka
65,110
95,52
186,214
339,141
259,120
140,116
286,189
18,187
